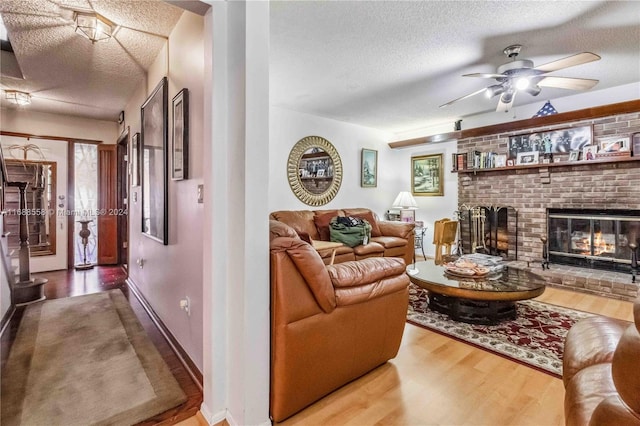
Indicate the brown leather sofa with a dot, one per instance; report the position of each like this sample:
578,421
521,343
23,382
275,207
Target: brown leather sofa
329,324
601,372
388,239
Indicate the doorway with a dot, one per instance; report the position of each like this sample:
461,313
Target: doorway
123,199
85,184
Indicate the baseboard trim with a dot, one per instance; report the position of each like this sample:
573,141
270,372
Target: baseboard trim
182,355
213,419
6,318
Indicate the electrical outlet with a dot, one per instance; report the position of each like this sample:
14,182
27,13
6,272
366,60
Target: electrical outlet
185,305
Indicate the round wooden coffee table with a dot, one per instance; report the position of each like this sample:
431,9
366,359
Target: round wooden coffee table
485,300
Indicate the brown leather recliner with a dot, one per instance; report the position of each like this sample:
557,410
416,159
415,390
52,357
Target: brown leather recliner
329,324
601,372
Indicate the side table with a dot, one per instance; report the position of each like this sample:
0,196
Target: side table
419,240
327,245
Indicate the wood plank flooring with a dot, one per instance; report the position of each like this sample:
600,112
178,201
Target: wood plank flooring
436,380
75,283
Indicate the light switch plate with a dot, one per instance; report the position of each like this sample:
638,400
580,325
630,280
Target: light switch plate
200,194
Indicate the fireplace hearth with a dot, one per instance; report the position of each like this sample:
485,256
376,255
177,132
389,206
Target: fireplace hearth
593,238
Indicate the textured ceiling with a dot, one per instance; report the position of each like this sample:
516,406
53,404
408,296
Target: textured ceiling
64,72
389,65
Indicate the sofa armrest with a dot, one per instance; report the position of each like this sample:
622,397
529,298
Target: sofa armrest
366,279
396,229
310,265
590,341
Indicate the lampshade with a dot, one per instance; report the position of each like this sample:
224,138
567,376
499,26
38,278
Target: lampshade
405,200
17,97
93,26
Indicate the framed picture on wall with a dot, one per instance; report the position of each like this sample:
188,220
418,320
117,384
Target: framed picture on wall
426,175
154,160
635,144
369,168
180,140
531,157
551,142
135,160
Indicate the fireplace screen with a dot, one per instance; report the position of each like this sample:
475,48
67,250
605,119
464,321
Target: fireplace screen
489,229
593,238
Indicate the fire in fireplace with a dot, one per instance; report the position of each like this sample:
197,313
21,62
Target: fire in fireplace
593,238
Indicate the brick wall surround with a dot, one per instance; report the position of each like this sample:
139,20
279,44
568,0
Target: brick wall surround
532,190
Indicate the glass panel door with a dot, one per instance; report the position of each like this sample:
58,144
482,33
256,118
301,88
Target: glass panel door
86,201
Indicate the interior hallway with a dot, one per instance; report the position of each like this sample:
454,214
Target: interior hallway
69,283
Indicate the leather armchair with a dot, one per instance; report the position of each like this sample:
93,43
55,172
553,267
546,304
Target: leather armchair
601,372
329,324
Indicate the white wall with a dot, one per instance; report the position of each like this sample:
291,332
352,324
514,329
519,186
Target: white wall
173,272
394,168
44,124
236,374
432,208
287,127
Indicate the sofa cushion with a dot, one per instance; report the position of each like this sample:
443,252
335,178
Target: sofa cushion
390,242
367,249
368,216
300,220
321,221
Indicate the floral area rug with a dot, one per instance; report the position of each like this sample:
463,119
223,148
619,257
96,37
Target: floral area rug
535,338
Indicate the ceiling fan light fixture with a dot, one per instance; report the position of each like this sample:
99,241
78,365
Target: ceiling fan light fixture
494,90
17,97
522,83
93,26
533,90
506,97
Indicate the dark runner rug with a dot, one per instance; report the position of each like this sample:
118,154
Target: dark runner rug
85,360
535,338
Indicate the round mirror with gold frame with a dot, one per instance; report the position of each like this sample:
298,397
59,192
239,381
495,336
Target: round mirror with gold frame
314,170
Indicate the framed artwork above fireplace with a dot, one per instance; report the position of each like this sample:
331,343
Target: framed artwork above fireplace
560,141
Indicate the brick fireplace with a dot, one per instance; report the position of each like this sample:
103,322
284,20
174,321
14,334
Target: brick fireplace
533,191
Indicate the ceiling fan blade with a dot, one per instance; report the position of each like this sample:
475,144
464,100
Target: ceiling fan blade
569,61
568,83
505,107
464,97
485,75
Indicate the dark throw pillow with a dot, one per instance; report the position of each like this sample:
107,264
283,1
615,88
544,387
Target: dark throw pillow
322,224
375,229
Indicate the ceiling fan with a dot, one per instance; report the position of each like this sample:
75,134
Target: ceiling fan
521,76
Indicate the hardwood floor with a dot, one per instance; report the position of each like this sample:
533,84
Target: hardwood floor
436,380
75,283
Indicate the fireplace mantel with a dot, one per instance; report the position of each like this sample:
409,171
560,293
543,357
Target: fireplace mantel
549,165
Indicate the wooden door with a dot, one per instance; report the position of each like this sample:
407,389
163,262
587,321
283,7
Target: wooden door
107,205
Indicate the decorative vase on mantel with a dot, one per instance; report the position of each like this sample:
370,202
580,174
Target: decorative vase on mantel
84,233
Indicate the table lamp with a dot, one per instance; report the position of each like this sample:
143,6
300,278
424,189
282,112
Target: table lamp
407,205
